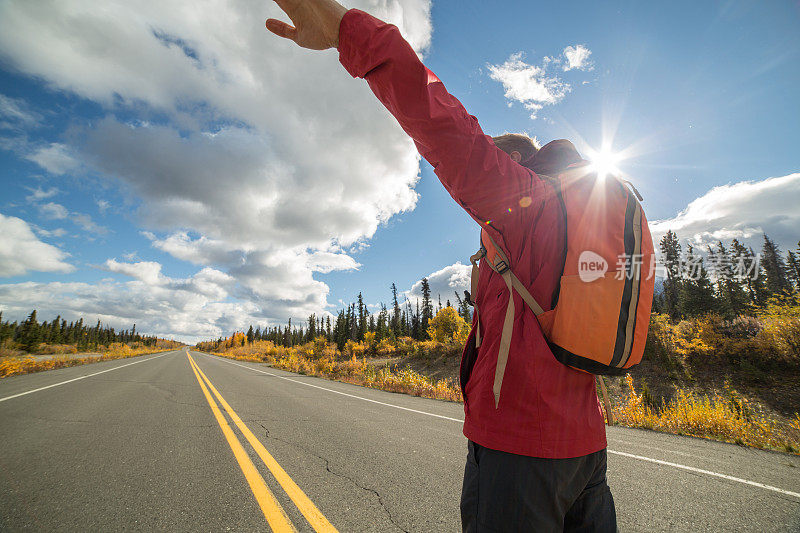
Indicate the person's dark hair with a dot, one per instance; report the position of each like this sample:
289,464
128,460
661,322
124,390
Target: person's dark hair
520,142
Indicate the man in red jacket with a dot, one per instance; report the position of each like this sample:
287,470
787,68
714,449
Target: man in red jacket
537,452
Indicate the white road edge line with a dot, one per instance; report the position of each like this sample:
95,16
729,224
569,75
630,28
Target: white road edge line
707,472
640,457
82,377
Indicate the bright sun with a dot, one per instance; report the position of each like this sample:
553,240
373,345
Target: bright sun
604,162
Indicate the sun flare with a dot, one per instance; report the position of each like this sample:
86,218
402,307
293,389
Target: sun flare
605,162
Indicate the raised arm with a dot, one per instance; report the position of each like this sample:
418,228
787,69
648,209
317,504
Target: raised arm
479,176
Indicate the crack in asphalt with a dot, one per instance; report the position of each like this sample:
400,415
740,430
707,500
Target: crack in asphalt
348,478
168,395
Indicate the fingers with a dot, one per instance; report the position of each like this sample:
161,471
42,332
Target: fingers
281,29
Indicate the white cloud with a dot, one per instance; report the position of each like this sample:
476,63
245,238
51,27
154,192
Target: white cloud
190,309
263,200
445,283
271,157
21,251
15,114
165,311
200,251
278,279
577,57
744,210
86,222
55,158
532,85
529,84
147,271
208,282
328,261
38,194
58,232
102,206
211,283
53,211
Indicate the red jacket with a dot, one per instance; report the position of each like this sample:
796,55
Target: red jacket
546,409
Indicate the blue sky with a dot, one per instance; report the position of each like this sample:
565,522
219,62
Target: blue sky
188,172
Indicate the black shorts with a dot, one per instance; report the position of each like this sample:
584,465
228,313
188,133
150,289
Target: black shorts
508,492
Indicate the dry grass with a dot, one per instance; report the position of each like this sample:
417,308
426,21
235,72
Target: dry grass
15,365
727,419
320,358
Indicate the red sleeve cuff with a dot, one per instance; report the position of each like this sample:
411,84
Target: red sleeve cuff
355,32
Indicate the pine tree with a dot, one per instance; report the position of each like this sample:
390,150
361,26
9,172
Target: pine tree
671,255
427,307
340,330
250,335
311,333
382,328
31,336
793,271
745,271
395,312
762,293
362,318
697,293
415,323
55,330
463,308
5,330
774,267
730,293
352,323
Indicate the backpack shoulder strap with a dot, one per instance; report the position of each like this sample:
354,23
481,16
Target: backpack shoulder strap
497,261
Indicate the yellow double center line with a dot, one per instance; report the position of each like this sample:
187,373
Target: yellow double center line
273,512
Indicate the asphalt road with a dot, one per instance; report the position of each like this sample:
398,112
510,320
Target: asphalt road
137,445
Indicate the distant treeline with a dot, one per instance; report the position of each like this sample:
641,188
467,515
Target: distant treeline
29,334
729,281
354,322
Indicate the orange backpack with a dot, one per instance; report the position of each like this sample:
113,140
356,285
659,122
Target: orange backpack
598,323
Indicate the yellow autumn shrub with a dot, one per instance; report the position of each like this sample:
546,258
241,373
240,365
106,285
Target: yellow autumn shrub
780,320
727,419
14,366
446,325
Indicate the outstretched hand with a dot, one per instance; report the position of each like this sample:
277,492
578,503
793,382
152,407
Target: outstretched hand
316,23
